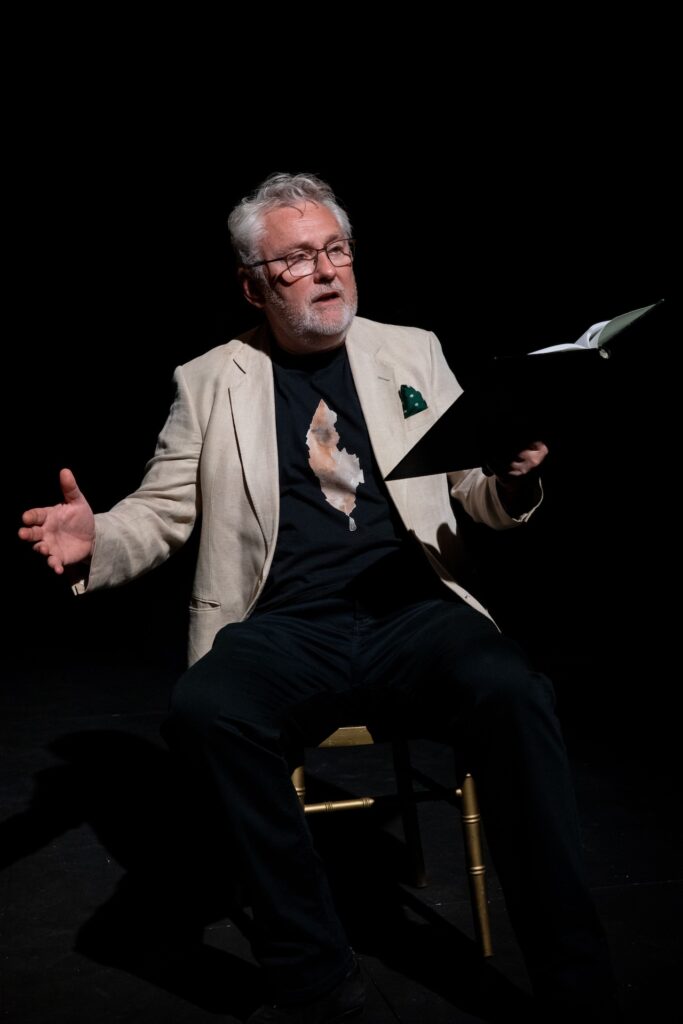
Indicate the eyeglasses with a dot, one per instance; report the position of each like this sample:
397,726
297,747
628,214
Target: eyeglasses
302,262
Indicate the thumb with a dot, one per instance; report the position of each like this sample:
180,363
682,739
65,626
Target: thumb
70,489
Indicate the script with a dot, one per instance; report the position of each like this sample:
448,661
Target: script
536,396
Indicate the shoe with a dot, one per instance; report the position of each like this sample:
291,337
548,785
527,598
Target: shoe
346,1000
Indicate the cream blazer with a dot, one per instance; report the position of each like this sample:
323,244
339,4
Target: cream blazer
216,460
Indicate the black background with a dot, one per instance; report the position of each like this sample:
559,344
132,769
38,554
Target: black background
502,230
512,177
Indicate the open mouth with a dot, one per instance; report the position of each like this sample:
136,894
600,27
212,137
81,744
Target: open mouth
327,297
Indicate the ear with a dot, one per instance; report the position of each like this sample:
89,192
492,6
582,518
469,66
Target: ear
252,288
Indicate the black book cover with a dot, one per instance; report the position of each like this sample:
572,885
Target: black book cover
532,397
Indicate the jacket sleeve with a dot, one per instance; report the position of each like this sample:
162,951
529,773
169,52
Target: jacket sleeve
478,495
141,531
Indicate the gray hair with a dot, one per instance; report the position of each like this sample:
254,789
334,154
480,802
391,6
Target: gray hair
245,223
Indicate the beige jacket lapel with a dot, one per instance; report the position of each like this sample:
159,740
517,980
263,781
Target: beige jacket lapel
378,390
378,393
252,402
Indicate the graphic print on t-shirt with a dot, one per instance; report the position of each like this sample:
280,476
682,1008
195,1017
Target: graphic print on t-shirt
338,471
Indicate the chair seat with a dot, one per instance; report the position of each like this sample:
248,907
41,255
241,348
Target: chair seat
349,736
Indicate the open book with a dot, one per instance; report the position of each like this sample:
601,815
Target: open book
601,335
532,397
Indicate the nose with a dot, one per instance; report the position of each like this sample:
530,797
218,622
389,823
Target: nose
325,269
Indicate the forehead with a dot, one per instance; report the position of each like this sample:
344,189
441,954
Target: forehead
287,227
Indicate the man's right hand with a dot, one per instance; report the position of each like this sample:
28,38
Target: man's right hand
64,533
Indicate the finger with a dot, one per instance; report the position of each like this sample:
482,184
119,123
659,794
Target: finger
529,457
536,450
33,533
34,516
56,563
70,489
532,460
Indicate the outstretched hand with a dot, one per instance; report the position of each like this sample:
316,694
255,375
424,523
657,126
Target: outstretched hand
65,533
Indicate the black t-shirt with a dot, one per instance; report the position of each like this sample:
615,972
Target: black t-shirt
339,530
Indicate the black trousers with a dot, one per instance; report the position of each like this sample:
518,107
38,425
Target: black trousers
289,677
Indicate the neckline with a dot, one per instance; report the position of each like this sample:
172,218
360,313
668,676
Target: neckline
308,362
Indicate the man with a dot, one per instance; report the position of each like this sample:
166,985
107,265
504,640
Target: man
323,594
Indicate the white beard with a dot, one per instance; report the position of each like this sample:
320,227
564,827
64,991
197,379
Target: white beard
310,322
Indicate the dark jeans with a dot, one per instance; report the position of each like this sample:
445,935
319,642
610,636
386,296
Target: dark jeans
289,677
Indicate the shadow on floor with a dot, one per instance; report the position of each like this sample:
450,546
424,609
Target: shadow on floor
179,879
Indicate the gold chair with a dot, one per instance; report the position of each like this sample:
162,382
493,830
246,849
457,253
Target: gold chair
465,795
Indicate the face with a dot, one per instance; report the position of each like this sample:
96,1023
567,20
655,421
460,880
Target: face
306,314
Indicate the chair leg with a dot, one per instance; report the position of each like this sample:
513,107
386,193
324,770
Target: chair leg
476,869
411,825
299,781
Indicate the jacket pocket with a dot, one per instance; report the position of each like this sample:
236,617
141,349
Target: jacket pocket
201,604
420,421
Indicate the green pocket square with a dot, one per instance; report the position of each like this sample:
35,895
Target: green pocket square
411,400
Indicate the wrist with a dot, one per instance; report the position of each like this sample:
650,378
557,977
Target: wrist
518,494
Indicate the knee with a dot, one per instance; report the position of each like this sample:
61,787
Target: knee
213,706
516,694
193,707
513,715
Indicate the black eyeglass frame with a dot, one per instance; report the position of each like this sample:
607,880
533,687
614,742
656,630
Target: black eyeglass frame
312,259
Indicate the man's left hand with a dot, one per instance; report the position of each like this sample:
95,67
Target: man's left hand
525,462
516,476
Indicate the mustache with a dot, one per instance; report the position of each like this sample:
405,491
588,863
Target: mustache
327,290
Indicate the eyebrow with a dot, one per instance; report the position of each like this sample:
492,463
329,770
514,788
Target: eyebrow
335,237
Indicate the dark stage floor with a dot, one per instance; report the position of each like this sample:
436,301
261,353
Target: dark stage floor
117,904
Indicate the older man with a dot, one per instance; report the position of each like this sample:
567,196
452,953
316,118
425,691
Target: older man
324,594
